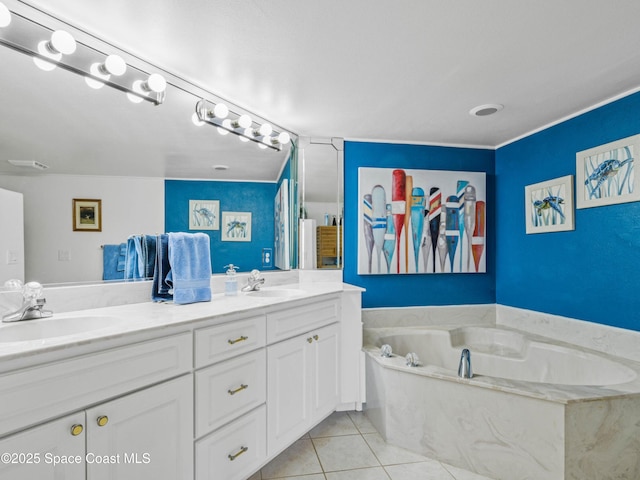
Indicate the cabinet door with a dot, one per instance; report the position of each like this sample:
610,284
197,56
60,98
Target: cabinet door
326,367
38,453
148,434
289,381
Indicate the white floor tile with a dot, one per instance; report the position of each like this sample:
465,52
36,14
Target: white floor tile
460,474
344,453
363,424
375,473
316,476
389,454
336,424
298,459
430,470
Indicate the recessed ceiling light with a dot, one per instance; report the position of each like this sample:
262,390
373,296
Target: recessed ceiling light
28,163
485,110
221,167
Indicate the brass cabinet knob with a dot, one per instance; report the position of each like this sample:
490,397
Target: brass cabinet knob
102,420
309,339
316,337
76,430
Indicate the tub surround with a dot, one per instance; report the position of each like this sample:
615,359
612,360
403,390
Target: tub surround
506,429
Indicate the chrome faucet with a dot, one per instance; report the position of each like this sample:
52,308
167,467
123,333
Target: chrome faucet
32,305
253,282
464,369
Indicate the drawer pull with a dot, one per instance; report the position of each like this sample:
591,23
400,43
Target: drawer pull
309,339
316,337
241,339
76,430
236,455
102,420
239,389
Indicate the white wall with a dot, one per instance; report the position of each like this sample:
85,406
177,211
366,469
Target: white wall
316,211
11,236
129,206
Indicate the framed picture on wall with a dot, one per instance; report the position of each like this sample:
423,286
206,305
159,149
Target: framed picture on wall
549,205
236,226
204,214
87,215
605,175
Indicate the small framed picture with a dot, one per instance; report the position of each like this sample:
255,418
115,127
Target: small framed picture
549,205
204,214
236,226
87,215
605,175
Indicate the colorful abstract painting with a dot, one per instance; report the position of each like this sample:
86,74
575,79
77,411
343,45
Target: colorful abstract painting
549,205
421,221
605,175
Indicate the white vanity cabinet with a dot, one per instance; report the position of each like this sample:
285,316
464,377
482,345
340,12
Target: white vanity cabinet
303,371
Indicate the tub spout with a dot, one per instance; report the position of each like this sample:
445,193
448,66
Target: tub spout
464,369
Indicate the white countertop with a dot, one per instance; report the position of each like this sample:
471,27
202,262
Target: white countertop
148,318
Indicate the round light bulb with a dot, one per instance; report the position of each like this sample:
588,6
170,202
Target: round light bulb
262,146
63,42
226,124
156,83
136,87
284,138
115,65
220,110
5,16
265,129
96,71
45,52
196,120
244,121
245,135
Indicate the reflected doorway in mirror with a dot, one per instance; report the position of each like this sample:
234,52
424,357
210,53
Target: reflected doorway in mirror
204,214
87,215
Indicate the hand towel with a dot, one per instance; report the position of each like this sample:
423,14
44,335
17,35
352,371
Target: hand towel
148,255
190,260
162,291
132,263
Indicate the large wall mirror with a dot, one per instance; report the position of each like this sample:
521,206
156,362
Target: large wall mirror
320,186
99,145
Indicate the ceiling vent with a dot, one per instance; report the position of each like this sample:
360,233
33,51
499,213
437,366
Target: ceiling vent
28,164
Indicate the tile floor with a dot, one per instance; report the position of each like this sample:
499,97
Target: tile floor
346,446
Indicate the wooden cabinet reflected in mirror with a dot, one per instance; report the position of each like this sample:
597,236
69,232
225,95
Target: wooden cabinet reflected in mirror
329,246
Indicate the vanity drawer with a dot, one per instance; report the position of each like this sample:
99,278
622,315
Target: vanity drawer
217,343
226,390
294,321
234,451
36,394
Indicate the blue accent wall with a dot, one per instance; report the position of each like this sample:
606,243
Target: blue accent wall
257,198
592,273
417,289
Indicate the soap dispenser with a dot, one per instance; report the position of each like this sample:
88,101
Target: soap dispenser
231,282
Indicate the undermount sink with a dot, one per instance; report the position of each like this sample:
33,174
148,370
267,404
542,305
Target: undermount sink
54,327
276,293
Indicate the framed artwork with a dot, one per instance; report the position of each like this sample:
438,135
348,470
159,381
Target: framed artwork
204,214
282,259
236,226
421,221
87,215
549,206
605,175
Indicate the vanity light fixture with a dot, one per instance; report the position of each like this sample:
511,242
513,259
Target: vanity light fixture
241,125
57,48
5,16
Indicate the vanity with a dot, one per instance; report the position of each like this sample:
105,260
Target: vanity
204,391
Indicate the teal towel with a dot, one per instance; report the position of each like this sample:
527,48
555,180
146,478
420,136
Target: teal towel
190,261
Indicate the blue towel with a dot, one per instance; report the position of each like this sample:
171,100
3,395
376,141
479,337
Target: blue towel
112,262
148,255
161,291
132,260
122,258
190,260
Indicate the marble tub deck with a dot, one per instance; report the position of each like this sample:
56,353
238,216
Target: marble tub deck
506,429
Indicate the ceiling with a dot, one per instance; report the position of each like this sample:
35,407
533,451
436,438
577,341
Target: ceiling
403,71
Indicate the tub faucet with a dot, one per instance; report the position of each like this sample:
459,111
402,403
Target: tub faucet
253,282
464,369
32,305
